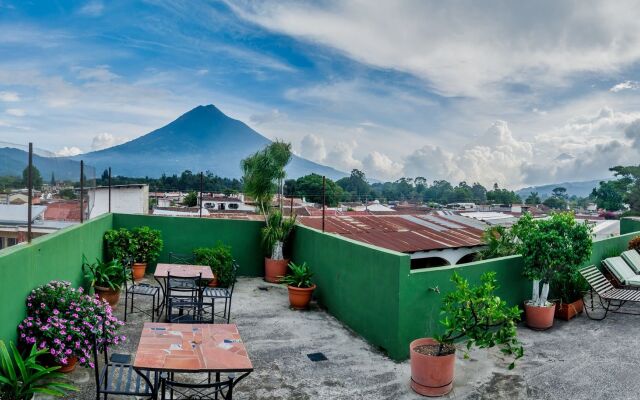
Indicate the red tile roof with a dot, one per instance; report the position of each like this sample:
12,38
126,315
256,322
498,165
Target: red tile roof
403,233
63,211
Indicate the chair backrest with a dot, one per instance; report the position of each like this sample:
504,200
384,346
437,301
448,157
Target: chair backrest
632,258
184,284
204,391
234,275
619,268
596,280
181,258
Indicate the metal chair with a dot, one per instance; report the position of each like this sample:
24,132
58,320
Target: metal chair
169,389
134,289
118,377
181,258
184,295
214,293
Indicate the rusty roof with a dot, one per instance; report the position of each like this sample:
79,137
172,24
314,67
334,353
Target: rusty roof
403,233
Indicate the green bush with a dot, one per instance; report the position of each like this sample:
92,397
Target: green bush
220,259
300,276
121,245
106,274
148,244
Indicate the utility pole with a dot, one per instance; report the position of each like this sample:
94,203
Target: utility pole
81,191
324,200
201,189
109,189
30,192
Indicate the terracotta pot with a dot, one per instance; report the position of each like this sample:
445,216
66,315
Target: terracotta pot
539,317
108,294
566,311
273,269
213,282
300,297
69,366
431,375
138,270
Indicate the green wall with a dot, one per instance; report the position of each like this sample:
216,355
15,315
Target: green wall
182,235
357,283
629,224
57,256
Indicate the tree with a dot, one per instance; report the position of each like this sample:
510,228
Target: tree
559,192
191,199
533,199
556,203
310,187
53,180
356,184
479,193
36,178
502,196
105,175
608,196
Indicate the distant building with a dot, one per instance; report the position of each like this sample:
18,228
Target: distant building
462,206
125,199
223,203
14,225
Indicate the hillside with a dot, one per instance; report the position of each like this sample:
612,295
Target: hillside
580,189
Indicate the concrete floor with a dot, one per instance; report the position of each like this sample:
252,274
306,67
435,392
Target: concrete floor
576,360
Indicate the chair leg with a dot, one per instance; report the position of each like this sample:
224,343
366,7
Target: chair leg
225,309
126,299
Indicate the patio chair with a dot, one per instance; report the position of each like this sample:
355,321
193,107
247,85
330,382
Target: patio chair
181,258
609,298
116,375
214,293
622,272
170,389
184,296
134,289
632,258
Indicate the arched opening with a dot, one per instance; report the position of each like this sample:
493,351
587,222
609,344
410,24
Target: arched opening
471,257
428,262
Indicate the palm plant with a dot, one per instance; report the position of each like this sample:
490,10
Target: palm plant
276,232
300,276
106,274
21,378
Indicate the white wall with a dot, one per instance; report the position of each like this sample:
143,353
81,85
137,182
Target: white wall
124,199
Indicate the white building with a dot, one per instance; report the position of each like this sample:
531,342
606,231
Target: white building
225,203
13,224
125,199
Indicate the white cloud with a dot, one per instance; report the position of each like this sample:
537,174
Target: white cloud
626,85
380,166
68,151
9,97
93,8
312,147
202,72
105,140
465,48
271,116
341,156
16,112
100,73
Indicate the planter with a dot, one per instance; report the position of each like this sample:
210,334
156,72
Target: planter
566,311
539,317
69,366
138,270
108,294
300,297
274,269
213,282
431,375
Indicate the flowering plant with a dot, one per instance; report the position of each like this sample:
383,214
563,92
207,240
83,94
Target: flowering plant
64,320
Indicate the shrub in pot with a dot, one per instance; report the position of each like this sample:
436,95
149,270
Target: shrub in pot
552,250
634,244
22,376
264,172
220,259
106,278
120,244
299,285
61,319
473,314
148,244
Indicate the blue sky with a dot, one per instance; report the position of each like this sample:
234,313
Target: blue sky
500,92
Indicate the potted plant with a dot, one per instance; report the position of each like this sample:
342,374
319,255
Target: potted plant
148,244
23,376
220,259
106,278
552,250
299,285
473,314
264,174
274,235
634,244
61,318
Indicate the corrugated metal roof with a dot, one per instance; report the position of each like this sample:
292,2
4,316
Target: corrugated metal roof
18,214
403,233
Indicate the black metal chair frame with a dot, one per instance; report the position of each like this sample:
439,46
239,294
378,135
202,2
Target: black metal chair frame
214,293
216,389
108,382
140,289
179,258
609,298
184,294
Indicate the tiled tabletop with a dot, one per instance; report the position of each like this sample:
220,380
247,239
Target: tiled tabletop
183,270
192,348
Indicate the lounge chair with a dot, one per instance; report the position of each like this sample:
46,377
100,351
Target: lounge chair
632,258
610,298
622,272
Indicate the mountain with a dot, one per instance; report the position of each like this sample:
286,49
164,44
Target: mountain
203,139
580,189
14,161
